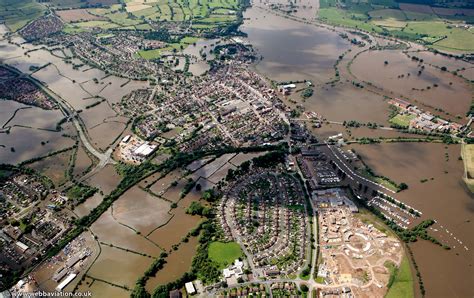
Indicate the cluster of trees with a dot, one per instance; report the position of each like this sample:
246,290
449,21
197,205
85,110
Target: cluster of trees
202,266
81,192
188,187
270,159
197,208
211,196
308,92
241,170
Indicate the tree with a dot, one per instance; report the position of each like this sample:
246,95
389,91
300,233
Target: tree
304,288
403,186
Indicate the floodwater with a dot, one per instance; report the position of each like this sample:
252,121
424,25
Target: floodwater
432,88
292,50
27,116
443,198
27,144
102,289
86,207
83,162
122,236
133,210
106,179
347,102
119,266
198,65
176,229
54,167
29,126
177,263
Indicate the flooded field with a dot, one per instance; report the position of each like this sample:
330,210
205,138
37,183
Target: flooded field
122,236
106,179
141,211
176,229
54,167
177,263
25,143
432,87
28,116
102,289
433,174
118,266
86,207
82,163
346,102
312,53
439,60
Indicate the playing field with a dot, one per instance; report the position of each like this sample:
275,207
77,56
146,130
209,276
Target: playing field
224,253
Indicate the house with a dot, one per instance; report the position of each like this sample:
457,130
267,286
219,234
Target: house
175,294
400,103
190,288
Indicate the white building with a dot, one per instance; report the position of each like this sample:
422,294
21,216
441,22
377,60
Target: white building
190,288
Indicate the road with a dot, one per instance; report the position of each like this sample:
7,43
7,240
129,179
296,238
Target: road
68,111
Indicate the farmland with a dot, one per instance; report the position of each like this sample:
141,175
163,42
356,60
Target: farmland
137,14
19,13
438,28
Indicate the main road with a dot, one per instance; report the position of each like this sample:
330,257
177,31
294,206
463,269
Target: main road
68,111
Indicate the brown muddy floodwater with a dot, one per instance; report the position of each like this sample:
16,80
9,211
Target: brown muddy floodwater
176,229
432,87
102,289
109,231
346,102
106,179
292,50
177,263
141,211
444,198
119,266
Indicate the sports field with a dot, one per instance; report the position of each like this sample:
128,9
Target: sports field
224,253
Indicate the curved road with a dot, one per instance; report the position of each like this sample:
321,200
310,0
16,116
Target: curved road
68,111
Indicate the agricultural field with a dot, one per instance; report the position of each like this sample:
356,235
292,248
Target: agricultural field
443,29
80,3
19,13
77,15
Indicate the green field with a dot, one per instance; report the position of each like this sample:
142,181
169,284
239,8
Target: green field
385,17
401,280
402,120
157,53
17,14
224,253
135,15
467,153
